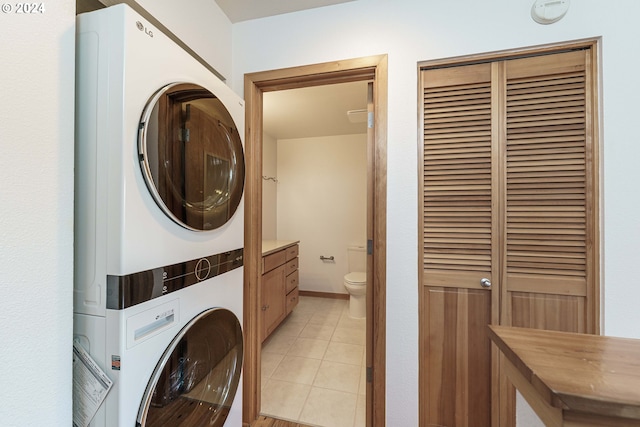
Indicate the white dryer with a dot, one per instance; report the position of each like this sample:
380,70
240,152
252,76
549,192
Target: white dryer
159,157
158,226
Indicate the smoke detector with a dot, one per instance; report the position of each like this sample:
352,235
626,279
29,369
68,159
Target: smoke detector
549,11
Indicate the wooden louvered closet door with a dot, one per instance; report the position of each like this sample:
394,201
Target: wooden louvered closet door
549,194
508,194
457,246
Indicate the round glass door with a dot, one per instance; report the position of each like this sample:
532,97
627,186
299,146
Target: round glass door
191,156
197,377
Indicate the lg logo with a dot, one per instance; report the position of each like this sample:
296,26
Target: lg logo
141,27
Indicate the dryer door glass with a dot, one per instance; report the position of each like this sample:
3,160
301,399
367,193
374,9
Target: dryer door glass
190,152
197,377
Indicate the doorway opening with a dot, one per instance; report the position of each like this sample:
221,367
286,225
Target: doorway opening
370,69
314,174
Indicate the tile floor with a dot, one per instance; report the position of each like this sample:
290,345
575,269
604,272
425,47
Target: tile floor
313,366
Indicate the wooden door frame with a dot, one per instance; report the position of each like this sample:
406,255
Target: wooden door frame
374,69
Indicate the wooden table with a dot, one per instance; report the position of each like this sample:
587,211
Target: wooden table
573,379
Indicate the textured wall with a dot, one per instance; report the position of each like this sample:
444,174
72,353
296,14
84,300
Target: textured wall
410,31
36,214
322,202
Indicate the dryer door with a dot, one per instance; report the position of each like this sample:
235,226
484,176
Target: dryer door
191,156
196,379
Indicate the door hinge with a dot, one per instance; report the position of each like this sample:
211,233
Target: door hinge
369,374
369,247
370,120
183,135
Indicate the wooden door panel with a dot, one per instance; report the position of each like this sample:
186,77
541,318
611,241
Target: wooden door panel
551,312
456,379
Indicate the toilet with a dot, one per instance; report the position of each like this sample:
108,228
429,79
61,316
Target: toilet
355,281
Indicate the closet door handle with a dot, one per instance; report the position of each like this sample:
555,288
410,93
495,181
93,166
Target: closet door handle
485,283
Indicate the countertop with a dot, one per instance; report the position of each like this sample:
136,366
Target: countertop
271,246
589,374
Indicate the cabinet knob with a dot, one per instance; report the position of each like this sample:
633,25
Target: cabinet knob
264,307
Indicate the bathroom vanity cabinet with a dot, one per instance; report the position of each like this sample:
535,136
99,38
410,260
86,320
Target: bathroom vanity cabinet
279,287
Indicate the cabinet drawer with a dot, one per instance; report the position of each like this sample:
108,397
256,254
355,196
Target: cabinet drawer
292,252
291,282
272,261
292,300
291,266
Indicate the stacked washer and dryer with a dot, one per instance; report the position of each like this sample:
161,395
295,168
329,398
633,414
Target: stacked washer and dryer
158,288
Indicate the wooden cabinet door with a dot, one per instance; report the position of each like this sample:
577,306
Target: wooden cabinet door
509,194
273,299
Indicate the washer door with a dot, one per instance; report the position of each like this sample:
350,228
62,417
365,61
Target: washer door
196,379
191,156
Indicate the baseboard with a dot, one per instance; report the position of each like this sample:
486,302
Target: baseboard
323,294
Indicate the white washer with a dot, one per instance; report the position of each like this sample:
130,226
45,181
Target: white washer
155,244
174,360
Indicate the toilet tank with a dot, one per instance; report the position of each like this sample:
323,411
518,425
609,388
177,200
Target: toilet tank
357,258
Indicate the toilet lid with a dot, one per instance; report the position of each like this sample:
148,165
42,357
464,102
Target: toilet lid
356,278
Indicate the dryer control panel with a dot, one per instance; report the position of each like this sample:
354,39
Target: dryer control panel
136,288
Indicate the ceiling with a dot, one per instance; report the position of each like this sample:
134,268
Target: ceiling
314,111
243,10
307,112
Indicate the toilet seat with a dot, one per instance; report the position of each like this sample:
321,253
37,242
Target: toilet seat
356,278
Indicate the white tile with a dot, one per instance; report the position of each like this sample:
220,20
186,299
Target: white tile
349,336
349,322
317,331
335,306
338,376
307,347
298,315
327,304
290,328
269,363
361,410
281,399
325,318
301,370
279,344
329,408
306,305
362,388
344,353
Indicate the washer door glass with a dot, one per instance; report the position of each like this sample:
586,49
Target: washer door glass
197,377
191,156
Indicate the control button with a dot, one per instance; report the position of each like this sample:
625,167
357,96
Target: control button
203,268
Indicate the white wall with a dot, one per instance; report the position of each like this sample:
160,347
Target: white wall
36,215
410,31
322,193
269,188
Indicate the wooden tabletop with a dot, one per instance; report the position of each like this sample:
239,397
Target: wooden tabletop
576,372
